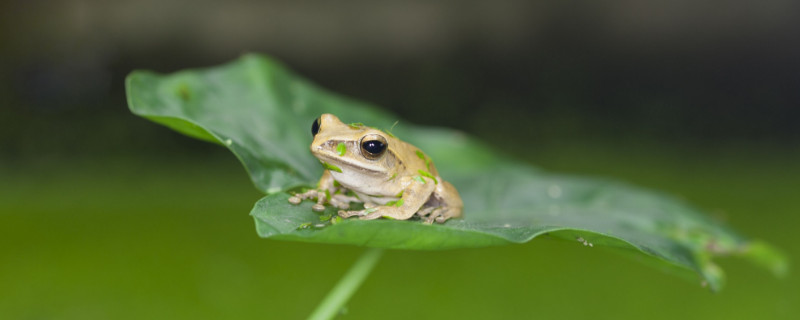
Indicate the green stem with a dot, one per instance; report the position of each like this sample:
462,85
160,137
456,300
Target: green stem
347,285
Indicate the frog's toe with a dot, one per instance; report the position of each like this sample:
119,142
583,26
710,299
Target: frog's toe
440,215
299,197
425,211
318,207
348,214
435,213
371,216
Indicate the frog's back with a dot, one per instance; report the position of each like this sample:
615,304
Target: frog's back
416,160
445,196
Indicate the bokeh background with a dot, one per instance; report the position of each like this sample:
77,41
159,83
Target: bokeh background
104,215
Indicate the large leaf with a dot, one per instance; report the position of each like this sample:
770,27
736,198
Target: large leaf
262,112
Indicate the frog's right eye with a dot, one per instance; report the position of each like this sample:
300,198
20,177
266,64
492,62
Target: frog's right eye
315,127
373,146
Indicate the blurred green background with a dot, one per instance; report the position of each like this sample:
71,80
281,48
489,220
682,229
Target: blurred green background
104,215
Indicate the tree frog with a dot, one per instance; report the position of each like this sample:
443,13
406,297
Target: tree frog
392,178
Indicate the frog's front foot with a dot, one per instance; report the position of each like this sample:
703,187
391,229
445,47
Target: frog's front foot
318,207
342,201
299,197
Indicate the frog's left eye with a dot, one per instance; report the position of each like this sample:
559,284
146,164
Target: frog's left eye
315,127
373,146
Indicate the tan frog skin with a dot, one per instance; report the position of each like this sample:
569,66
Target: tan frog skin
392,178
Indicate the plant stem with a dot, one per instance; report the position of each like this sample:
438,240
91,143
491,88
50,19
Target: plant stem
347,285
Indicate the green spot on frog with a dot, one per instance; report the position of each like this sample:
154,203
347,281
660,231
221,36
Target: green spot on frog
356,125
393,176
428,174
427,160
396,203
400,194
419,179
331,167
328,195
341,148
370,210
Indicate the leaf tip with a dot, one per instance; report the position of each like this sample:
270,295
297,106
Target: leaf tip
766,256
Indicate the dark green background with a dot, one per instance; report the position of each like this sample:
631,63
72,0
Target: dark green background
105,215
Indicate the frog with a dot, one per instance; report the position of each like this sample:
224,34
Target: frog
391,178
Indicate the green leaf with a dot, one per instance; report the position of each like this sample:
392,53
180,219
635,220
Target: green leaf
261,112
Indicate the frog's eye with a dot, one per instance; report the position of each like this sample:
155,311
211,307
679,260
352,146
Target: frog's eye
373,146
315,127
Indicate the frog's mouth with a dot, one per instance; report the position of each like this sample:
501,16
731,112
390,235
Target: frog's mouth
346,163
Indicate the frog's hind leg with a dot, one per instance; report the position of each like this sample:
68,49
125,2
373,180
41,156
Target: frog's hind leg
425,211
441,214
447,202
433,215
